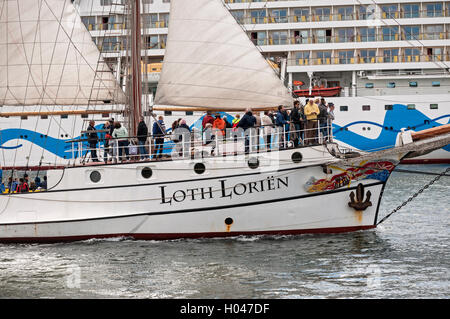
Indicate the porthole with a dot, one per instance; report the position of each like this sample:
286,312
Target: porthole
146,172
228,221
199,168
95,176
297,157
253,162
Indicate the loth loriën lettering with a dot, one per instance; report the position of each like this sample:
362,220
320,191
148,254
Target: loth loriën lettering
223,190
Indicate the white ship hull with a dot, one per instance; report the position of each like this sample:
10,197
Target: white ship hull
229,199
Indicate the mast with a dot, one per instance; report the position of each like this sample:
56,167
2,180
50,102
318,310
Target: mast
136,79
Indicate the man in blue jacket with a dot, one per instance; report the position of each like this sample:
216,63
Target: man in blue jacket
159,130
281,123
247,122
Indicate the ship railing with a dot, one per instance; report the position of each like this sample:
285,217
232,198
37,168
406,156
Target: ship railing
184,144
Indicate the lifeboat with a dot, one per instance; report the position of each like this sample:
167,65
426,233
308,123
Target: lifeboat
316,90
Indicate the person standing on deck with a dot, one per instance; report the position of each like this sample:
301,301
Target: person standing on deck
121,134
92,140
142,134
219,126
207,119
247,122
280,123
158,132
311,112
296,121
323,118
267,124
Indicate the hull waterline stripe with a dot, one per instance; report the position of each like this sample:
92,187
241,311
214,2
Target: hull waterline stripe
168,236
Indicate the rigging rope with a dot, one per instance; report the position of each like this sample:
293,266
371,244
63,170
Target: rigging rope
420,191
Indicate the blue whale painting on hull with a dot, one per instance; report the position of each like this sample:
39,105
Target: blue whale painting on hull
396,119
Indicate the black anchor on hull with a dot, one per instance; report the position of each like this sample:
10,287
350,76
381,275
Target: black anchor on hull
360,204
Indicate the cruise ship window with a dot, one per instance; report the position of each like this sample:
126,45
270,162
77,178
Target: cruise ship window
322,36
411,10
346,57
343,108
388,107
323,57
435,83
258,38
390,33
390,55
167,113
413,84
279,15
188,113
434,106
64,116
366,12
278,37
258,16
411,55
389,11
366,34
367,56
301,15
366,107
301,36
411,106
345,35
434,9
302,57
434,32
391,85
322,14
411,32
239,16
345,13
369,86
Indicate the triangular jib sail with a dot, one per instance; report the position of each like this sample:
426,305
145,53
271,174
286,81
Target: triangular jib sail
210,62
47,57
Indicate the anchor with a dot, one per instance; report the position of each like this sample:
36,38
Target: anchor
360,204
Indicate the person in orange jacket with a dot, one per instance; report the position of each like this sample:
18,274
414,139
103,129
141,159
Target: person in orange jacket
219,126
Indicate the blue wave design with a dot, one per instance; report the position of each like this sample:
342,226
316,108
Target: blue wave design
396,119
59,147
11,147
399,117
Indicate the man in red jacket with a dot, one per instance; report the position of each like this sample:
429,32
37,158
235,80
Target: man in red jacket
207,119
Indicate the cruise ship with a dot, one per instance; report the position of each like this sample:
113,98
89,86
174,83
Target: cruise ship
384,65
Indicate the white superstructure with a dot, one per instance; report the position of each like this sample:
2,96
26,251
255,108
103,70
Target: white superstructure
391,59
384,55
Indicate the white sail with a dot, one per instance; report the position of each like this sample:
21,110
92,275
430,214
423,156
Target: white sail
210,62
47,57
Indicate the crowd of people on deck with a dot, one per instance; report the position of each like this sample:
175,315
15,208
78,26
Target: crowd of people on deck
302,125
23,184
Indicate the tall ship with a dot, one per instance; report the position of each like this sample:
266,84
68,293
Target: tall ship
383,64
